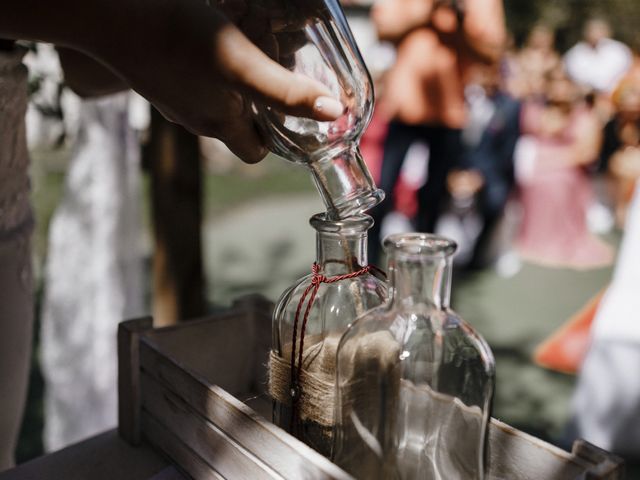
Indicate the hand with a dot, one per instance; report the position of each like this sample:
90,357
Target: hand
186,58
200,71
86,76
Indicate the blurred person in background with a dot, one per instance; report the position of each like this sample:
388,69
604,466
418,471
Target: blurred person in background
437,42
606,403
489,139
168,44
560,137
620,154
597,63
93,266
536,60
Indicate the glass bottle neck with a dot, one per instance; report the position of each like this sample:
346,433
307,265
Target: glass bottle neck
344,182
420,279
338,254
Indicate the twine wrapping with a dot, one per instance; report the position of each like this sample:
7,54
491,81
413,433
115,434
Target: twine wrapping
311,291
317,398
320,389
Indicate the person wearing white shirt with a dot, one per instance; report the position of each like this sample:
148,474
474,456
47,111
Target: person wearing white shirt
598,62
606,403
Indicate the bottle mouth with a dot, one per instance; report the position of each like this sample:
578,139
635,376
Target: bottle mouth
323,223
358,204
419,244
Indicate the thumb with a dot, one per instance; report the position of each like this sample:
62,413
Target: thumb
291,93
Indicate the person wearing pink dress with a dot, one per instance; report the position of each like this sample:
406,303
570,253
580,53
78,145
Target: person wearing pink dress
559,139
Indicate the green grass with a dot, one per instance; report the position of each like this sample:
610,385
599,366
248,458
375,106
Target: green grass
275,177
515,315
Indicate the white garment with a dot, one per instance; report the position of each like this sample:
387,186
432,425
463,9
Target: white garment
606,404
598,68
93,274
618,317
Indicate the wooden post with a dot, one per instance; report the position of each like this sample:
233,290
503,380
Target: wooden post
173,158
129,377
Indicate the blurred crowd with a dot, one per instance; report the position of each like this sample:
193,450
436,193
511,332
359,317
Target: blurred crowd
521,152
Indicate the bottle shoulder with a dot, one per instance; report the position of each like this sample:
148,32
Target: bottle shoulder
368,284
422,328
335,306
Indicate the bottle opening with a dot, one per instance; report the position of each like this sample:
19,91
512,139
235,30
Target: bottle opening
419,244
323,223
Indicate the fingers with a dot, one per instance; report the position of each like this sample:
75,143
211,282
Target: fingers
256,73
238,131
243,140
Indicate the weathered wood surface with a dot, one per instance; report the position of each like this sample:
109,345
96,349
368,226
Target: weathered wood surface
516,455
177,450
103,457
262,442
128,377
172,156
192,372
604,464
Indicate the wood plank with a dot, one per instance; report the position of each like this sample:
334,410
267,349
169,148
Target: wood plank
169,473
261,310
211,444
516,455
129,377
175,449
282,452
103,457
172,157
205,346
606,465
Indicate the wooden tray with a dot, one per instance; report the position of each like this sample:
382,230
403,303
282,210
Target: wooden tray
197,392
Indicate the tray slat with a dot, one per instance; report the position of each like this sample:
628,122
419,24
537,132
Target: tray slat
209,442
273,446
180,453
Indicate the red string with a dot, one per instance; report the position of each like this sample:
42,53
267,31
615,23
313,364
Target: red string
311,291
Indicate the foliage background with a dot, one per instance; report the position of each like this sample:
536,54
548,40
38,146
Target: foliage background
568,16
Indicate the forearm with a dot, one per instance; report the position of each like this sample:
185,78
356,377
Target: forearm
70,23
96,27
88,77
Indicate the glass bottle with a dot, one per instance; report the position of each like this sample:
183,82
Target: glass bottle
312,38
414,380
303,400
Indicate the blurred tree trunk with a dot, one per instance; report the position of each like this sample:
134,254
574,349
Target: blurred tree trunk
173,159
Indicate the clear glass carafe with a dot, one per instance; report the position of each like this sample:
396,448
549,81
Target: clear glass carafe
414,380
311,316
312,38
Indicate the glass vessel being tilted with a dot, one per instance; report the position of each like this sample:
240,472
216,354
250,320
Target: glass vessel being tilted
312,38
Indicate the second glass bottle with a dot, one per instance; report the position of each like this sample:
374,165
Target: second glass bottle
414,380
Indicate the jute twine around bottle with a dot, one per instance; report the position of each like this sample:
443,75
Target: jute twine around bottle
304,378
